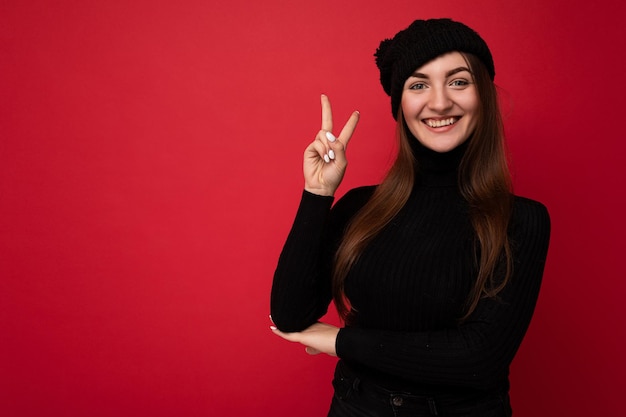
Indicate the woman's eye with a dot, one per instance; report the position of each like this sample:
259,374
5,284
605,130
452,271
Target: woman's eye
417,86
459,83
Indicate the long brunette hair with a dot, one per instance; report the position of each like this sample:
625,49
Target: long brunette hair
484,182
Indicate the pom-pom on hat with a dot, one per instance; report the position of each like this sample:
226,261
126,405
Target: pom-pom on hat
421,42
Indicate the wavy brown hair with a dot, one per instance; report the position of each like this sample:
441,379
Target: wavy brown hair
484,182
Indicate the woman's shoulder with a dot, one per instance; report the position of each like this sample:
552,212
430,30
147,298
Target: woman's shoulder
530,216
352,201
362,193
356,196
528,206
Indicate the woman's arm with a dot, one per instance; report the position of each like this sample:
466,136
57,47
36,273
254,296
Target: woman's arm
301,289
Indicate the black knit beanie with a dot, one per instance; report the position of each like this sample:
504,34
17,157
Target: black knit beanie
421,42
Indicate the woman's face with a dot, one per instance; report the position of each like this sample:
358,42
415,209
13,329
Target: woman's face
440,102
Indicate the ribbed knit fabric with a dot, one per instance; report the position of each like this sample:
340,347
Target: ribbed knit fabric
409,287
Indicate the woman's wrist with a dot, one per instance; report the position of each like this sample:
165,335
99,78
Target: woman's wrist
320,191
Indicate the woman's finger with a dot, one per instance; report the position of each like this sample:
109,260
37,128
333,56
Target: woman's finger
311,351
287,336
319,148
349,128
339,146
327,114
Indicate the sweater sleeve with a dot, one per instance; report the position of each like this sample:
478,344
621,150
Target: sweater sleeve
478,352
301,290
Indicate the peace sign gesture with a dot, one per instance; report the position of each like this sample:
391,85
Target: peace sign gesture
325,158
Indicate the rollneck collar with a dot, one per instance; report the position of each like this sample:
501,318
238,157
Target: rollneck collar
437,169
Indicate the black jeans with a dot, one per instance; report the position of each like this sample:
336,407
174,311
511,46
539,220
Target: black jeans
356,397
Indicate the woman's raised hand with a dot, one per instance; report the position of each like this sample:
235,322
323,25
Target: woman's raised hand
325,158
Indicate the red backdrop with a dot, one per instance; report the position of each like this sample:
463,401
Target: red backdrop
150,159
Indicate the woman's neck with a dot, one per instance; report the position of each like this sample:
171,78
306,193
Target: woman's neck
437,168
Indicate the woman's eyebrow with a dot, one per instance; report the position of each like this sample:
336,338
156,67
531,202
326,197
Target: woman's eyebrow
457,70
449,73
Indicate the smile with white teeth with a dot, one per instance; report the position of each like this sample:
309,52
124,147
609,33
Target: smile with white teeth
441,123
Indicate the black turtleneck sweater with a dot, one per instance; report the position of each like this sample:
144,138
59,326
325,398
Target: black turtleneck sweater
410,285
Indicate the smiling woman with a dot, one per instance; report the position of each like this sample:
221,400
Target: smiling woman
436,271
440,102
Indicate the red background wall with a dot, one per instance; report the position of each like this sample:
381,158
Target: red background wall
150,159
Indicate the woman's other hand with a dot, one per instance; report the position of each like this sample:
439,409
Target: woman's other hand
325,158
318,338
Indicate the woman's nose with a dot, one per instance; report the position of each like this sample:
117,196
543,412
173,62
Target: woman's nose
439,100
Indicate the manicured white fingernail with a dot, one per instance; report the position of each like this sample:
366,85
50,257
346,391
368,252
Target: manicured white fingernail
330,137
331,154
326,159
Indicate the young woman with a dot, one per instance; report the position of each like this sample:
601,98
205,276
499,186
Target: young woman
436,271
